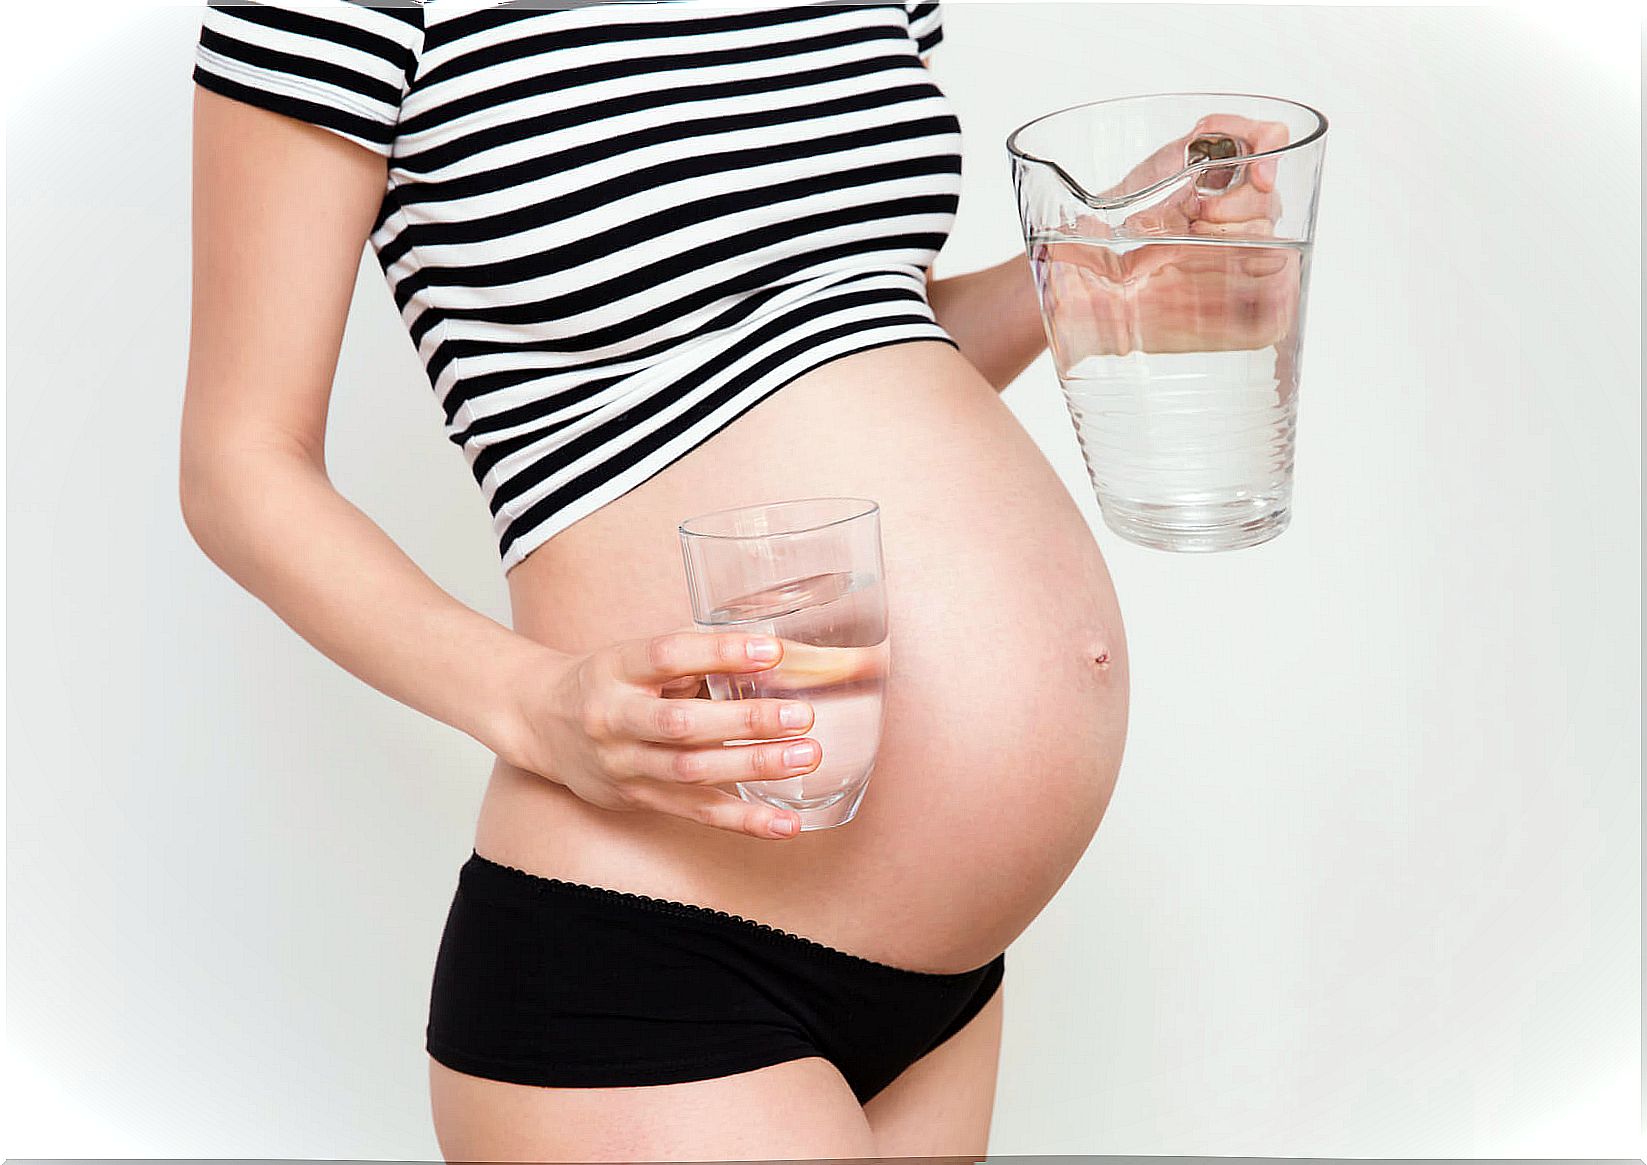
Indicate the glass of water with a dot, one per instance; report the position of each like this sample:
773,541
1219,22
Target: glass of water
808,572
1170,237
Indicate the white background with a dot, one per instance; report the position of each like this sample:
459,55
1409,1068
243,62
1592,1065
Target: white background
1370,881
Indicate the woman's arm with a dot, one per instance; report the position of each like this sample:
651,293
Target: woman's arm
282,211
993,315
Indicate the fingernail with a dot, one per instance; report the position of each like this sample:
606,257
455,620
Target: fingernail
793,716
762,648
783,825
799,754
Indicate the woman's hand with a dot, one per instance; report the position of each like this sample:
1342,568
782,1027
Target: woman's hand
1246,210
612,728
1175,297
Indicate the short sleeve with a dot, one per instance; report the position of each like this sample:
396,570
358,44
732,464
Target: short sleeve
926,24
338,64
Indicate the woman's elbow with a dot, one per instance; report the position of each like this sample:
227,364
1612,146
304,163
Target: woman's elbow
220,487
200,498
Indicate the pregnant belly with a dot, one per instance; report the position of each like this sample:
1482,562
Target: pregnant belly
1006,698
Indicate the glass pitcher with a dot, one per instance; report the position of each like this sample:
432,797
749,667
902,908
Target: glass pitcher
1170,239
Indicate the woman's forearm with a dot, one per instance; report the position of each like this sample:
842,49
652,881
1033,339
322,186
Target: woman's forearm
994,317
273,521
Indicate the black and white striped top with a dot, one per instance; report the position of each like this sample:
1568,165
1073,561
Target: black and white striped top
612,228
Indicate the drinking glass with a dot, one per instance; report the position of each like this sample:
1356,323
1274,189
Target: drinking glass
808,572
1170,236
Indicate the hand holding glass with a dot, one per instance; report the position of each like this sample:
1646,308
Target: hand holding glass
808,572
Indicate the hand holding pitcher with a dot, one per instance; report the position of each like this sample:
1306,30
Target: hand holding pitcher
1172,287
1168,297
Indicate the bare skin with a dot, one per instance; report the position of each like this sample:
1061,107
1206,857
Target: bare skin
1001,611
1006,703
274,272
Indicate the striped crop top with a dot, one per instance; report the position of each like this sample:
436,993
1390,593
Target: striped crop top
612,228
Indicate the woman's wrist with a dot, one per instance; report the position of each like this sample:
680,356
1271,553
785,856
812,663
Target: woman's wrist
994,316
517,706
1025,334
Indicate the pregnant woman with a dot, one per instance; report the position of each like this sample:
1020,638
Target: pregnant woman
660,259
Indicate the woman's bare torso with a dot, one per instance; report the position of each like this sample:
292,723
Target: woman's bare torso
1006,702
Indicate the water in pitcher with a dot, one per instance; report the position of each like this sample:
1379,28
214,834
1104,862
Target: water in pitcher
834,629
1179,364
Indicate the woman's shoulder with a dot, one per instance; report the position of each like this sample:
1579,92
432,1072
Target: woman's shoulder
343,65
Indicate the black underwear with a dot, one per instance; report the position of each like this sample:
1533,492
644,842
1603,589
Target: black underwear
552,983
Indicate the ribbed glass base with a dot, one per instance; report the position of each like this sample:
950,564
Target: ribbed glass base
1232,526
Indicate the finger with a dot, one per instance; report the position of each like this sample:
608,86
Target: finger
1165,218
657,659
1259,136
1242,202
1267,263
723,764
1166,161
711,721
810,665
1090,226
1257,228
685,687
718,809
1263,173
1136,266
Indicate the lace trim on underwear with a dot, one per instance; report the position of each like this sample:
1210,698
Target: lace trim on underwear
693,910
